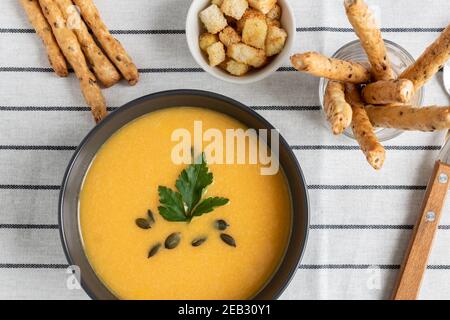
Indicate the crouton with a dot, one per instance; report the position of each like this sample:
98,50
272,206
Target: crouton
236,68
216,54
262,5
207,39
229,36
274,13
272,22
255,31
249,13
246,54
213,19
276,38
217,2
234,8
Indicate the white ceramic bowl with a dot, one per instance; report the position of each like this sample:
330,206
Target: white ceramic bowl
194,28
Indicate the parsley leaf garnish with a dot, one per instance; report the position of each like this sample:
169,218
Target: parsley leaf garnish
184,204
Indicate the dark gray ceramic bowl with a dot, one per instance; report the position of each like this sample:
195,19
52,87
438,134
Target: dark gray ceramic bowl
79,164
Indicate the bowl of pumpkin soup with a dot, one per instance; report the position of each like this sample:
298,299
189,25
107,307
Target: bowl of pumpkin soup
184,195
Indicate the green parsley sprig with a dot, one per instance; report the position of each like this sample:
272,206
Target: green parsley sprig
188,202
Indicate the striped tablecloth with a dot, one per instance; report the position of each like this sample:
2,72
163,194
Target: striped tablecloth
361,220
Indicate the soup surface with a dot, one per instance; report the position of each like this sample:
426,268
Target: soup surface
122,184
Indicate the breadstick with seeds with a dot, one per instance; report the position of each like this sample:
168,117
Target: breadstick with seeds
44,31
338,111
112,46
434,58
388,91
69,45
367,30
363,130
103,68
334,69
410,118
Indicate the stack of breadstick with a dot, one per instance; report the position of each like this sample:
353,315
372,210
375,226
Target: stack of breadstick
66,36
364,98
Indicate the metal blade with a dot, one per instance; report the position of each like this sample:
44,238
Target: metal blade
444,155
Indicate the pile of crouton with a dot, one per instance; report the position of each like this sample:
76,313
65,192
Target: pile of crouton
241,34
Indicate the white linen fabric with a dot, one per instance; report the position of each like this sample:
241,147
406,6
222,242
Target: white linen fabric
361,220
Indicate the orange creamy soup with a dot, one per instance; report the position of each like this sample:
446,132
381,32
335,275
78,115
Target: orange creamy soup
122,184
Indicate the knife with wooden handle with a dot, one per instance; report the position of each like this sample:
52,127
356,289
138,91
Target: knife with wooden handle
415,262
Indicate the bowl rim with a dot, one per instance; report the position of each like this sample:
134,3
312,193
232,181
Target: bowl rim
205,94
323,81
264,72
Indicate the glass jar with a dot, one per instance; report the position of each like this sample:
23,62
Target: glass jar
400,60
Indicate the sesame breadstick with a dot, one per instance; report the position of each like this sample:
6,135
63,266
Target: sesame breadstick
410,118
102,67
388,91
363,130
44,31
334,69
367,30
434,58
112,46
338,111
69,45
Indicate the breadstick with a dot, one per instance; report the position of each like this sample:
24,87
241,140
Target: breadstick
410,118
103,68
363,130
69,45
334,69
367,30
338,111
430,61
388,91
43,30
112,46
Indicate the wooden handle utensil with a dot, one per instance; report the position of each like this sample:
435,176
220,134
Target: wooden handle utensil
415,262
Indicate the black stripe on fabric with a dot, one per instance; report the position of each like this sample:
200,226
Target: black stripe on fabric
302,266
293,147
363,267
16,30
142,70
359,227
351,148
33,266
364,187
368,227
181,31
312,227
37,148
171,70
29,226
49,108
130,31
348,266
286,108
334,29
149,31
82,108
28,187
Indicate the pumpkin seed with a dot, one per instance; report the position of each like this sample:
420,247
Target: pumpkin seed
172,240
143,223
221,225
198,241
154,250
229,240
151,217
